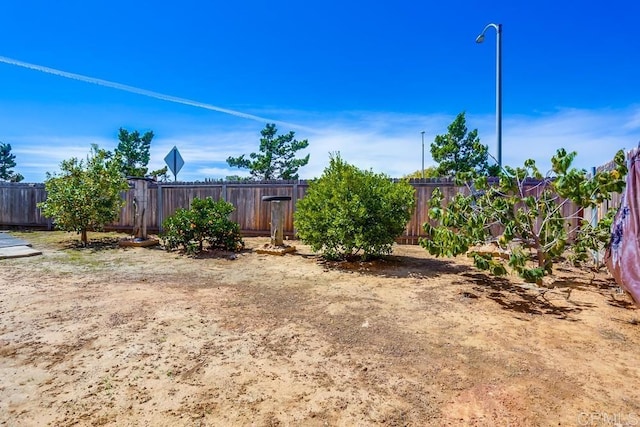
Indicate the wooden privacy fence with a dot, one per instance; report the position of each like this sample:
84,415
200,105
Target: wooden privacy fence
18,204
599,212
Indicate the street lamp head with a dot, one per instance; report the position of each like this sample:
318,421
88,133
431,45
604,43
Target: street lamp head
497,27
480,39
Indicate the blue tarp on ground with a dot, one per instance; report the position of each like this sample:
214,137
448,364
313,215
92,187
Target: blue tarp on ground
7,241
10,247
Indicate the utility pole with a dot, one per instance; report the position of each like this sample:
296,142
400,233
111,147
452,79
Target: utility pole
422,154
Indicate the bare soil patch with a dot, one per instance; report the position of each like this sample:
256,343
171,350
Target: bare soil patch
109,335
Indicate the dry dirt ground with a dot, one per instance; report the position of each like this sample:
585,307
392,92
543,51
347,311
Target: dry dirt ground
141,337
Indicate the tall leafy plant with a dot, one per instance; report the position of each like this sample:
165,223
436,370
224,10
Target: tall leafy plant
529,208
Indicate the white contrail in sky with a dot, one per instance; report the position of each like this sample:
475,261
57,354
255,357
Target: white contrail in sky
144,92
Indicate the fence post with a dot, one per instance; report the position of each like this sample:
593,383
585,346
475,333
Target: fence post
294,203
160,208
594,220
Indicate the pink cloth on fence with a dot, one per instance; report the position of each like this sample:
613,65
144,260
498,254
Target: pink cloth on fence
623,256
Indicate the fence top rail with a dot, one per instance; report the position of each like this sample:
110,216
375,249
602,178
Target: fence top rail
241,182
285,183
611,164
21,184
441,181
227,183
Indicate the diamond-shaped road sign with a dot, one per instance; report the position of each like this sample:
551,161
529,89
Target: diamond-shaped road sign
174,161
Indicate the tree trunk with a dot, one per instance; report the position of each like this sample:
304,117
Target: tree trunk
83,237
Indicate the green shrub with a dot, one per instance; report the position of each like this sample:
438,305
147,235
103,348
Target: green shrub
348,211
206,221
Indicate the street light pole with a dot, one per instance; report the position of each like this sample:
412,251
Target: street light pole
422,154
480,39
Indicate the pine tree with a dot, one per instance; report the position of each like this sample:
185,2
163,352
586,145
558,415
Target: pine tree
8,161
276,159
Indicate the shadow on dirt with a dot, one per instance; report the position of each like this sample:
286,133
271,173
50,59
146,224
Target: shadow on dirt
398,266
525,298
605,286
94,245
218,254
616,301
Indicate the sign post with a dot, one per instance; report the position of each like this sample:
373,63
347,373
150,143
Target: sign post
174,161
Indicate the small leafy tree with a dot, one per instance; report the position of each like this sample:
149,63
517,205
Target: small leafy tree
429,172
161,174
529,208
460,152
134,152
348,212
86,194
8,161
206,221
236,178
276,159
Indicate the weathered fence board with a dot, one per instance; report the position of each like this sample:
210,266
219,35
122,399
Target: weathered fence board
18,205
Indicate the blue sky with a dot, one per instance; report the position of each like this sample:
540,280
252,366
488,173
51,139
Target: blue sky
362,78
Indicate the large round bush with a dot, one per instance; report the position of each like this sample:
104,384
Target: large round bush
349,211
206,221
